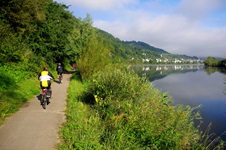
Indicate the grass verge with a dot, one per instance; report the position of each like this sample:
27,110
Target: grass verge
12,99
82,129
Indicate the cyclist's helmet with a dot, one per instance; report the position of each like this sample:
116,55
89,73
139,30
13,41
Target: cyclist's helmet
59,64
45,69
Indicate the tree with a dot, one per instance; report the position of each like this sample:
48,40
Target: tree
211,61
18,20
223,62
51,39
22,14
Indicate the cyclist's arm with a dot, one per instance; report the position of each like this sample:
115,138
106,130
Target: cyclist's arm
50,74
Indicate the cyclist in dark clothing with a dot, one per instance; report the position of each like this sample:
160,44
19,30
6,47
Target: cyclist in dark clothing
60,70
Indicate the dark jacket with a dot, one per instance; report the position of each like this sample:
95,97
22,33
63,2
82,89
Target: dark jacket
60,68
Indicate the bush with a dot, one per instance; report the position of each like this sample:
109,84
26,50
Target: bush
118,83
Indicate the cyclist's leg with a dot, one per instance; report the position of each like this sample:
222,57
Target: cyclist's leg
61,76
41,100
40,84
49,92
49,89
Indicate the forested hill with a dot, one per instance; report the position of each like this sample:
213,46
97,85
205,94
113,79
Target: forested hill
140,51
158,53
143,45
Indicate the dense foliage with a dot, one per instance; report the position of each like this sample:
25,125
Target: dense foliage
34,33
214,62
211,61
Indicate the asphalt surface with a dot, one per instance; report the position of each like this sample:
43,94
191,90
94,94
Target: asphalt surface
35,128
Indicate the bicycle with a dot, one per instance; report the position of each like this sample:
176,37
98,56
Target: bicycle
45,97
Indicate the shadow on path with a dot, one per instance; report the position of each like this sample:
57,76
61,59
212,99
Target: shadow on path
39,97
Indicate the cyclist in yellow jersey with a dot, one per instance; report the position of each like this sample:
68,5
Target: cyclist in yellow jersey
44,77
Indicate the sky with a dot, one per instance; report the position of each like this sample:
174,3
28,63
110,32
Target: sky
190,27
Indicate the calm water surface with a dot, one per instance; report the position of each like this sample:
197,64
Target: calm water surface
193,85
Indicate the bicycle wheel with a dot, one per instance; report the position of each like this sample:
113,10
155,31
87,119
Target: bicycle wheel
44,101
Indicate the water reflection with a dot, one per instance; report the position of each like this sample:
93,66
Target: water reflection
210,70
153,72
193,85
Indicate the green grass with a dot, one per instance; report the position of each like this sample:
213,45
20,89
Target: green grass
82,129
12,99
16,87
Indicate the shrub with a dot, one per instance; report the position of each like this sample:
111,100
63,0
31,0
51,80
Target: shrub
118,83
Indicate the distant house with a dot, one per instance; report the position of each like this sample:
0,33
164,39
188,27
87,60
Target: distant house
146,59
158,60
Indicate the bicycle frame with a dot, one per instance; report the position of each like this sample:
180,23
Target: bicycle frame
45,97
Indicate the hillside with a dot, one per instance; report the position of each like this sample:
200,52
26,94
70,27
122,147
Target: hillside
141,52
142,45
152,54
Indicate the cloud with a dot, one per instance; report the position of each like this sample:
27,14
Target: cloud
178,26
198,8
176,31
174,34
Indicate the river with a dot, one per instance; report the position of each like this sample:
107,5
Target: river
193,85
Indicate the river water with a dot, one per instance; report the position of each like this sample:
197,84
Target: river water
193,85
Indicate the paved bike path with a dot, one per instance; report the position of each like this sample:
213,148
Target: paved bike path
32,127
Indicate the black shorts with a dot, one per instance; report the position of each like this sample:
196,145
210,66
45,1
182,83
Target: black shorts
59,73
